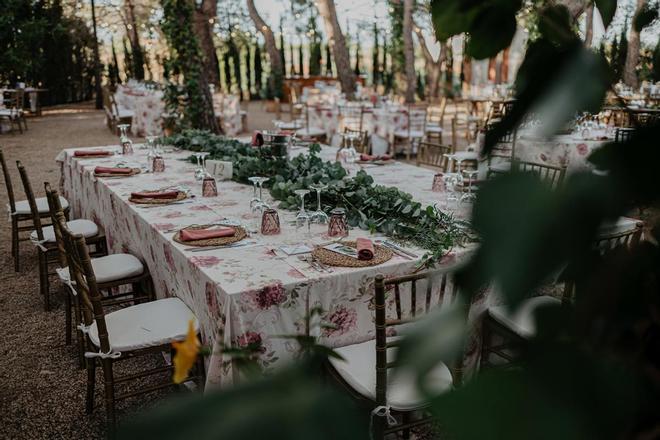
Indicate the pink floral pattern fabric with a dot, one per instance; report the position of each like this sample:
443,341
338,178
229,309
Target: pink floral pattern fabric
248,295
565,150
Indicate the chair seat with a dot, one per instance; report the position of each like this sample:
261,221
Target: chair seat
503,167
405,134
359,371
23,207
522,320
146,325
111,268
86,228
466,155
311,132
125,113
433,129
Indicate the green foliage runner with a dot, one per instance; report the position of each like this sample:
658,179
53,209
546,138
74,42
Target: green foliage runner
368,206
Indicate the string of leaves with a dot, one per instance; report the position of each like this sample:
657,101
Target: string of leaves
376,208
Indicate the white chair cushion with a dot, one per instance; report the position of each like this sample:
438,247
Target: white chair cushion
23,207
414,134
81,226
125,113
311,131
466,155
146,325
503,167
111,268
522,320
433,129
359,371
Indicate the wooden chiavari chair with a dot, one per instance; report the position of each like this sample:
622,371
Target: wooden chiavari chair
351,116
365,370
361,145
550,174
435,121
21,213
315,133
505,331
433,154
128,332
44,237
623,134
115,273
415,130
504,151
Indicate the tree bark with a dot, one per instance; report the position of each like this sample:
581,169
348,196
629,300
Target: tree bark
274,56
409,51
134,38
504,66
204,30
339,50
632,57
492,69
575,7
433,67
589,31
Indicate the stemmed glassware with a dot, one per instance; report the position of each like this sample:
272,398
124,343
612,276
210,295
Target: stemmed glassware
126,143
151,154
254,200
318,216
257,205
451,182
469,195
303,218
200,171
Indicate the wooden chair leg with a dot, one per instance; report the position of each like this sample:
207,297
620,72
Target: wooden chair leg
109,395
15,244
43,278
201,374
80,338
67,313
91,382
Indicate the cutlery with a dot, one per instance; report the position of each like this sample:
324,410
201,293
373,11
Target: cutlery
397,249
227,246
313,264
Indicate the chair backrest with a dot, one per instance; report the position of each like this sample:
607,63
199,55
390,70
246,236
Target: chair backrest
7,176
433,154
506,145
550,174
362,144
82,273
435,289
34,210
416,119
56,207
622,134
351,116
436,112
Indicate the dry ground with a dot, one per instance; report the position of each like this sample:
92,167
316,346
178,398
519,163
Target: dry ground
41,389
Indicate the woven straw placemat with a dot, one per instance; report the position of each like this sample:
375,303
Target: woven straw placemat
239,235
381,255
180,196
133,173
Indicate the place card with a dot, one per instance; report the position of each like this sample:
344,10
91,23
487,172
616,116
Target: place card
220,169
342,249
296,249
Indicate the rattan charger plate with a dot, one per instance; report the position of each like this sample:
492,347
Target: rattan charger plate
118,176
381,255
239,235
180,196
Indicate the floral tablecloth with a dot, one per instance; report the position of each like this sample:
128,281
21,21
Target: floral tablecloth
228,109
147,106
565,150
248,294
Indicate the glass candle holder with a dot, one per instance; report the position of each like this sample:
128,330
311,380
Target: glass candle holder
158,164
438,183
126,147
337,226
270,222
209,187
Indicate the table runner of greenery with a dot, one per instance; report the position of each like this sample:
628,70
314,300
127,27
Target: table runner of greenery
376,208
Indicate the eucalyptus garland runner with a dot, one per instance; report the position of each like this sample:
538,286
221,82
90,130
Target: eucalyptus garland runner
368,206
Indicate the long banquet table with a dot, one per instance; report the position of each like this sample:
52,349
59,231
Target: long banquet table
250,294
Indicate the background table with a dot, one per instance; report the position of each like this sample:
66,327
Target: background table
247,294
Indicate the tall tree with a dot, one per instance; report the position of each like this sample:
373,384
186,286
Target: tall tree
656,62
203,19
300,59
114,75
97,63
433,66
276,61
589,25
137,55
356,70
315,57
128,62
632,57
622,54
328,11
248,71
258,68
328,61
504,66
186,59
375,60
409,50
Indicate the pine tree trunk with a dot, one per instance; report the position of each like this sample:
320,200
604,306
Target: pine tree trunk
504,66
632,57
276,66
339,50
134,38
409,51
433,67
589,31
204,31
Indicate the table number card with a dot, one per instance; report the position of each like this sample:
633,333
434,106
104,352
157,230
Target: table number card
220,169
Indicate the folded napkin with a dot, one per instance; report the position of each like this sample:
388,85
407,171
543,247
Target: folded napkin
205,234
106,170
257,139
365,249
286,132
369,157
91,153
155,195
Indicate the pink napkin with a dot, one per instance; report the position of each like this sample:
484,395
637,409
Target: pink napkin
257,139
365,249
205,234
155,195
106,170
91,153
369,157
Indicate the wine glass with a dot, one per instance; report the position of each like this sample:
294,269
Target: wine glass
200,171
254,199
302,219
318,216
451,182
151,154
125,142
469,195
260,184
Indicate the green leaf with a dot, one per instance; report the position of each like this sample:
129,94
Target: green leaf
607,8
646,16
491,32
